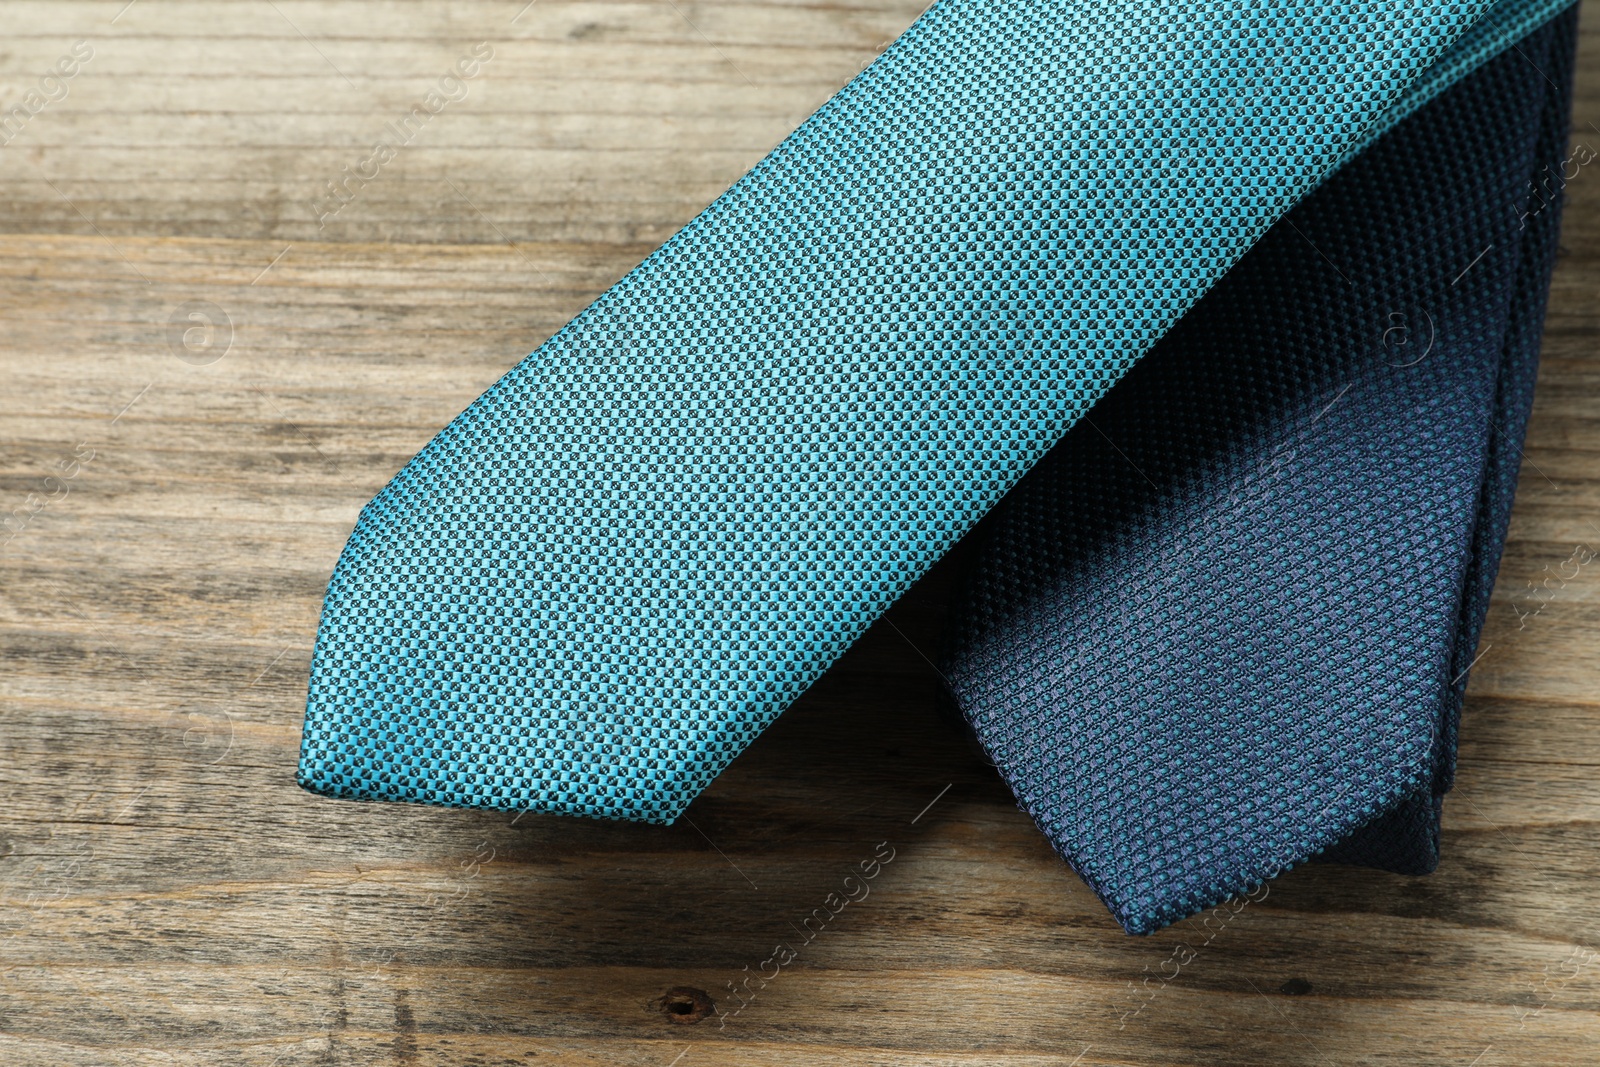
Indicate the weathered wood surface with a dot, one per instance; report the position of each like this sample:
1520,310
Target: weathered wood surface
168,896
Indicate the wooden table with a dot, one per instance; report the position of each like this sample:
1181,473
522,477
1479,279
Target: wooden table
208,371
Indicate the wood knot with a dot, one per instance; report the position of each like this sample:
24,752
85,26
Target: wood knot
1295,987
685,1004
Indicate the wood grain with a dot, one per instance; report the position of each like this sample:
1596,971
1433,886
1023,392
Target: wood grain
168,896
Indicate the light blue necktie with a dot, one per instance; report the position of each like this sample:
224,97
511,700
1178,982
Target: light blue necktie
614,569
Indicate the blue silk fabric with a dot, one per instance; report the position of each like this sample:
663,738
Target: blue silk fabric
1226,625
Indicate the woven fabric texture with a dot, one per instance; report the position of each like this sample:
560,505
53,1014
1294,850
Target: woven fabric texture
1226,624
609,573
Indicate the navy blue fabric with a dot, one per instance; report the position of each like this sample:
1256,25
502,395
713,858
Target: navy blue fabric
1225,626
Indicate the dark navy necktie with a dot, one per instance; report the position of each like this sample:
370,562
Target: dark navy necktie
1226,624
598,583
